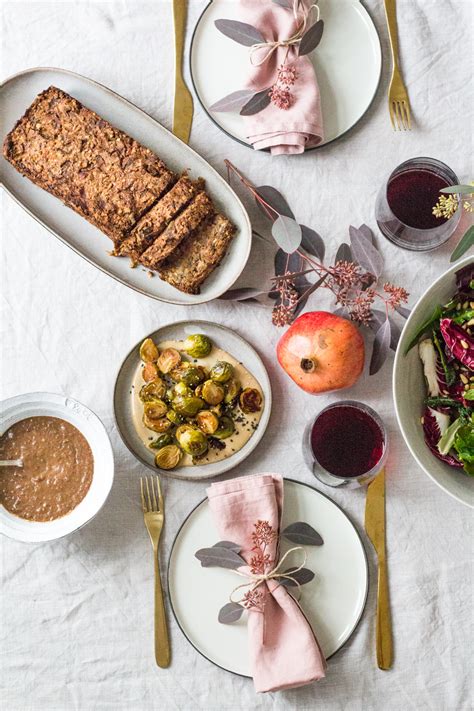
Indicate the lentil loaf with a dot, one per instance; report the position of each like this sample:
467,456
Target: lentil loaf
93,167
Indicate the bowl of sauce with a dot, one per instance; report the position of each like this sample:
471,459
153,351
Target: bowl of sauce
67,466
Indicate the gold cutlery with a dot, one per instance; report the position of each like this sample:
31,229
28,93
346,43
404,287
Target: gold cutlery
375,528
398,101
154,515
183,101
11,462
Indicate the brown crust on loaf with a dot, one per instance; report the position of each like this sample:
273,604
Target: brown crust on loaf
154,222
94,168
184,226
198,256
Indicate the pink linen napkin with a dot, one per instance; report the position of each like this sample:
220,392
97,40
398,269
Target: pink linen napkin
284,652
284,131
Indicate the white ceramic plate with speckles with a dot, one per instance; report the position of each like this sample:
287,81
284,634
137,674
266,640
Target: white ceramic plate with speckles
333,601
16,95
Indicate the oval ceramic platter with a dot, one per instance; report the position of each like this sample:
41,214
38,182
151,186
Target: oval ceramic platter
333,601
18,92
124,396
348,64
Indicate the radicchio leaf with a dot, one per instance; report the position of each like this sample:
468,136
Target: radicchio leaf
230,613
365,253
312,242
287,233
219,557
232,102
381,347
455,337
311,38
301,577
275,199
240,32
303,533
432,435
465,276
257,103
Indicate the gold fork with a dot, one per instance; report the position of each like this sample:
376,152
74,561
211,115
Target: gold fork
154,515
398,101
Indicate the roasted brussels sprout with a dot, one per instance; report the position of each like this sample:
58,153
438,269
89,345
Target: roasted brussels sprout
161,441
221,371
194,375
153,391
168,457
198,390
217,409
250,400
168,359
197,346
148,351
181,389
213,393
155,409
232,389
149,372
207,421
225,429
180,431
193,442
173,417
160,424
188,406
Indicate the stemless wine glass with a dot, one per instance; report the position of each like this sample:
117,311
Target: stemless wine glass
346,444
404,206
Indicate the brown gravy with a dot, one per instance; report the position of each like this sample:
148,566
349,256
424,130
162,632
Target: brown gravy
57,468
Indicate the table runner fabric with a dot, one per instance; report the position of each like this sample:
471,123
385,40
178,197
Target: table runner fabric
76,630
283,650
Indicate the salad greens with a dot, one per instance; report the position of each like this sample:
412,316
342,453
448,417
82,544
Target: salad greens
446,349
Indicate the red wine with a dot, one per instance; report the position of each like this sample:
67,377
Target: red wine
346,441
412,194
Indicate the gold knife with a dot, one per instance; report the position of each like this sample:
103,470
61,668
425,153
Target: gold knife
183,101
375,528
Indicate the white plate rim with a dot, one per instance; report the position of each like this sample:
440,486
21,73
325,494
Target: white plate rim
253,442
266,150
399,355
199,298
367,577
59,399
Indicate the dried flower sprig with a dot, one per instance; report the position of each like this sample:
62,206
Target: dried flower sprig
450,199
352,278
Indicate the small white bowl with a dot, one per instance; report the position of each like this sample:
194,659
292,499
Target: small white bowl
409,391
48,405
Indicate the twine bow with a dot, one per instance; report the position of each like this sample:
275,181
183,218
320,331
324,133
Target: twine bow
295,39
254,580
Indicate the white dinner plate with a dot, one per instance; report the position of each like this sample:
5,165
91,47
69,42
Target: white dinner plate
333,601
348,64
19,408
222,337
18,92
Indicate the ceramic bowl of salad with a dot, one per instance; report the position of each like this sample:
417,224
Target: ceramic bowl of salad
433,382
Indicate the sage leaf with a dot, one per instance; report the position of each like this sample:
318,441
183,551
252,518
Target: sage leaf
312,242
344,253
257,103
275,199
219,557
311,38
458,189
301,532
302,576
232,102
381,347
465,243
287,233
240,32
230,613
365,253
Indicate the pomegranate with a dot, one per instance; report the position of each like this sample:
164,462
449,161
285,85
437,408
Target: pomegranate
322,352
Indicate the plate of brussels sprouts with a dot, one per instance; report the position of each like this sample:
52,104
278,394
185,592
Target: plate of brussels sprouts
192,399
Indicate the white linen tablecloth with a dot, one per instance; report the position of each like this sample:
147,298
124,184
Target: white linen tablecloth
76,631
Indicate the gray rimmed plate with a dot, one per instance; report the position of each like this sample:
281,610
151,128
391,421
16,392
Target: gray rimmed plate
223,338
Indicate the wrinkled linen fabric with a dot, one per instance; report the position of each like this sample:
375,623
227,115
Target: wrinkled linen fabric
283,649
284,131
76,615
